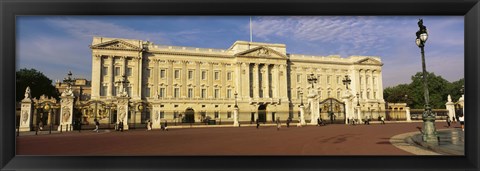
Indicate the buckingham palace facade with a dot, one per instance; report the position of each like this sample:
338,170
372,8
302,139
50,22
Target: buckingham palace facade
189,84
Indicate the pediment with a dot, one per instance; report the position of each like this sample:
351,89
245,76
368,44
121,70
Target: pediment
261,51
116,44
369,61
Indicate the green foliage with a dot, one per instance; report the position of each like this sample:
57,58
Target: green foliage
438,89
39,84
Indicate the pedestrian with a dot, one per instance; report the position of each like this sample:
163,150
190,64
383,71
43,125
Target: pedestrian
278,123
448,122
97,124
40,125
454,120
382,119
166,126
318,121
462,121
120,126
258,124
353,121
288,122
148,125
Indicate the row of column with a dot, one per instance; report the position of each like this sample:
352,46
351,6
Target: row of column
368,83
134,79
266,78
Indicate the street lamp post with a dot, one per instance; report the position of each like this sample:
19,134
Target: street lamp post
312,80
429,132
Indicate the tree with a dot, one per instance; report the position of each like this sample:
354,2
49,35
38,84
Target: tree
438,89
39,84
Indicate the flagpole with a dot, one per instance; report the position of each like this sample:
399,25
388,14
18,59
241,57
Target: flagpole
250,28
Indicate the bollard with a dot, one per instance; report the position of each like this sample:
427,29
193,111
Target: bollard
60,128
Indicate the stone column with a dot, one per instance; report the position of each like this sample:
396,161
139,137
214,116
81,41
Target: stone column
364,90
169,88
197,78
348,105
302,115
210,79
110,74
275,81
25,114
155,119
235,116
183,78
359,116
156,75
314,106
139,78
266,82
122,111
96,71
66,112
238,79
255,81
246,82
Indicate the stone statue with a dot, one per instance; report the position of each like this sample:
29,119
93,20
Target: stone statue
25,116
66,114
68,91
449,98
27,93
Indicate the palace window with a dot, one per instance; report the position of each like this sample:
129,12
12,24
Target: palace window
115,90
374,81
216,114
229,114
204,75
105,71
117,71
129,91
162,114
299,78
328,79
190,92
162,92
103,91
147,92
374,95
129,71
217,75
162,73
217,93
204,93
147,73
298,94
175,114
229,93
329,94
176,93
190,74
229,76
368,95
177,74
338,94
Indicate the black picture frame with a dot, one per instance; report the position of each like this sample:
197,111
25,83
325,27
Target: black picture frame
9,9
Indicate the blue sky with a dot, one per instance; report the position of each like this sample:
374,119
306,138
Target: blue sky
56,44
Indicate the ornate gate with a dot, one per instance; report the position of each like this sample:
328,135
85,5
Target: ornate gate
332,111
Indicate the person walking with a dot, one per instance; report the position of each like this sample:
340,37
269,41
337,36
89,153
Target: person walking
318,121
462,121
97,124
149,127
120,126
288,122
448,122
278,123
258,124
382,119
166,126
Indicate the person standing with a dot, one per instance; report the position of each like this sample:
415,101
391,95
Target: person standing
462,121
288,122
318,121
97,124
382,119
448,122
148,125
258,124
166,125
278,123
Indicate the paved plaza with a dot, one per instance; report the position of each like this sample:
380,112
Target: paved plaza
336,139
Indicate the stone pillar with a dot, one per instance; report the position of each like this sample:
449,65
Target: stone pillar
314,106
169,88
302,115
25,115
96,71
247,84
266,82
235,116
122,111
348,99
407,114
359,116
155,119
111,76
256,80
66,112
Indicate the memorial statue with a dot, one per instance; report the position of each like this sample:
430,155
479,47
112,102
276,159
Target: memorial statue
449,98
27,93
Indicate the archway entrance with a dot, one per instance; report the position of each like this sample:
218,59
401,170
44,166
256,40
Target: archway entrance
262,113
189,116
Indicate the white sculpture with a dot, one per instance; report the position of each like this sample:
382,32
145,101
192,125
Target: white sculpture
27,93
449,98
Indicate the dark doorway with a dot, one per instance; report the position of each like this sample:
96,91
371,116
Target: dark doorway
262,113
189,116
252,117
